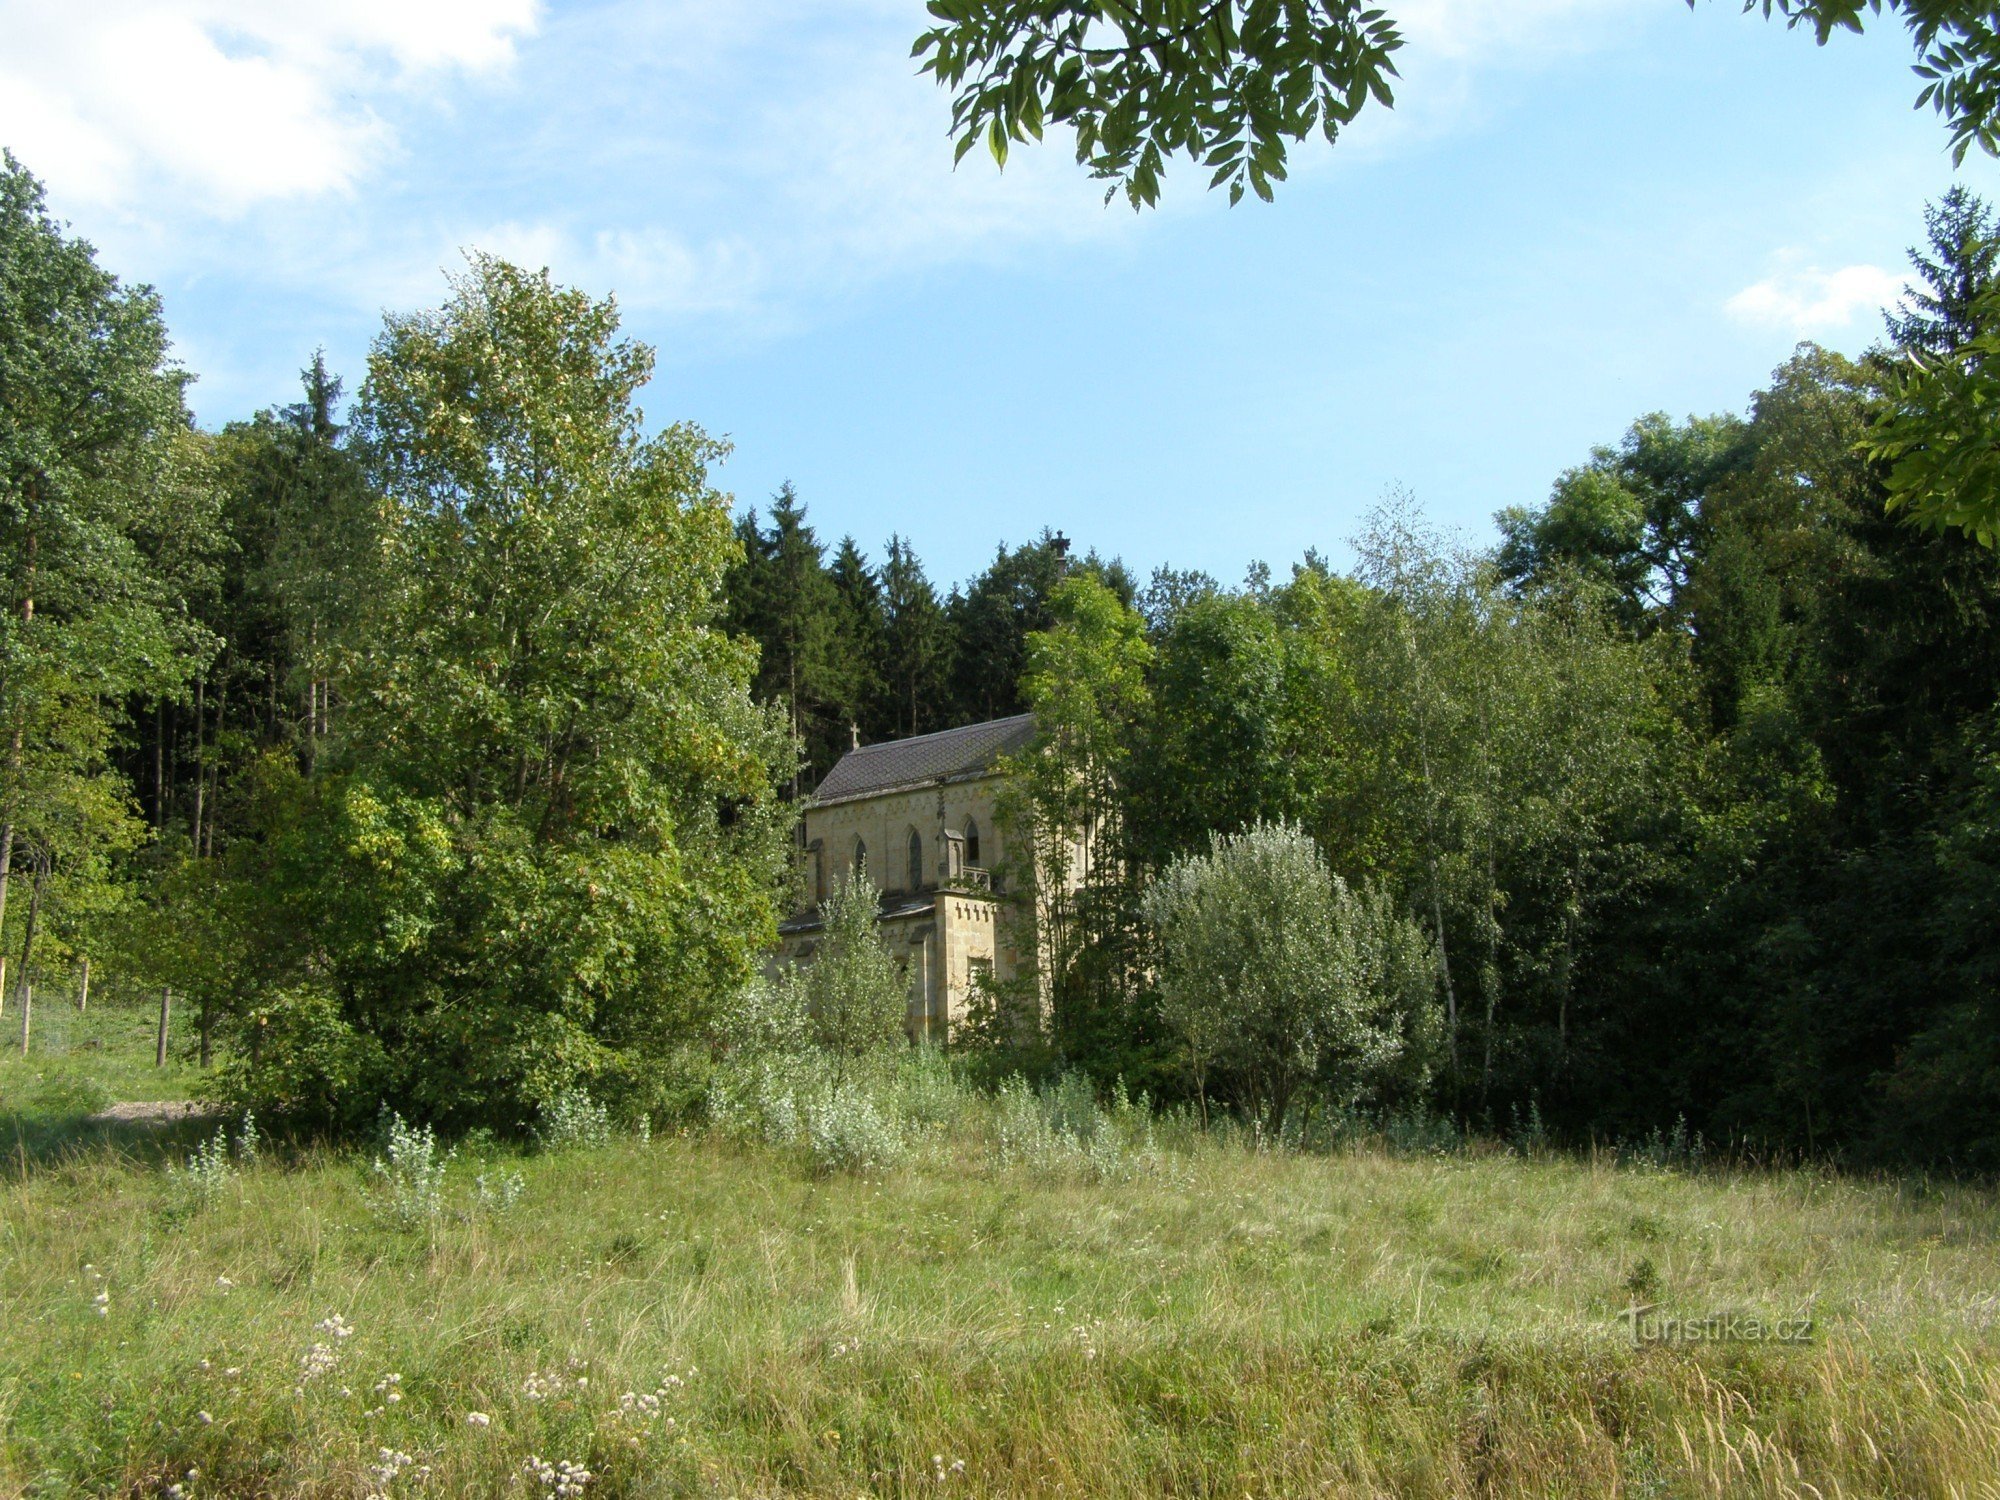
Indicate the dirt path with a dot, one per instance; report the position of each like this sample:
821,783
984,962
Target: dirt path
150,1111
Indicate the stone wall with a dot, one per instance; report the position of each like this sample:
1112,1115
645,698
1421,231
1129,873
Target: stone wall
943,937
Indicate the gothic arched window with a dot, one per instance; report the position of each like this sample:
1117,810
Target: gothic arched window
971,842
860,859
916,859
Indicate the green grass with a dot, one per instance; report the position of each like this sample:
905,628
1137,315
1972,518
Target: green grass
110,1044
1221,1323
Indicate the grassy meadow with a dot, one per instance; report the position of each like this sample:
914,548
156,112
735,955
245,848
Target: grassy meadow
704,1314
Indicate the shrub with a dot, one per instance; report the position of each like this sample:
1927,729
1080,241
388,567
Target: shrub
572,1119
853,995
409,1174
1283,983
766,1017
208,1169
837,1115
847,1131
497,1192
303,1062
211,1166
1062,1128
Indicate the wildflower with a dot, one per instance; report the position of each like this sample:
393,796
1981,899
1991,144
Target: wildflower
204,1418
390,1463
101,1304
335,1325
561,1480
223,1283
316,1361
478,1419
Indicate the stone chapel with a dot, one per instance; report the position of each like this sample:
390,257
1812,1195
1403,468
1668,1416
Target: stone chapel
919,815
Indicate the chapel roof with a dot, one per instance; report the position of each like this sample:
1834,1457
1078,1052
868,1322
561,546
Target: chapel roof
948,755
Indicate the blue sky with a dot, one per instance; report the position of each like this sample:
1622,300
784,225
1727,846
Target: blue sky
1580,210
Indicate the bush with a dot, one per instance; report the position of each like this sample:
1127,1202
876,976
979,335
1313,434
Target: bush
853,996
301,1061
572,1119
837,1115
409,1174
847,1131
1286,986
209,1169
1062,1128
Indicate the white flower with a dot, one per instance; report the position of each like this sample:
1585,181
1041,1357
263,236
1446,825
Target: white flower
204,1418
478,1419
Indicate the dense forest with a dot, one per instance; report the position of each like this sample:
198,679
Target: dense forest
435,747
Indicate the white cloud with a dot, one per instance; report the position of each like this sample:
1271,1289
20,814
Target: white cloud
742,165
234,100
1806,301
1480,31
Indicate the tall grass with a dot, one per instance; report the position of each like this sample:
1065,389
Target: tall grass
101,1054
1037,1295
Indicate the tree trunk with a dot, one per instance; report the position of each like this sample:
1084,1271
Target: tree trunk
160,765
14,743
1444,971
7,851
215,775
200,758
28,948
83,987
160,1043
1490,980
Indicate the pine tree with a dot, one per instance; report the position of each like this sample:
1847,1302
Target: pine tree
859,636
1937,314
917,646
992,618
782,597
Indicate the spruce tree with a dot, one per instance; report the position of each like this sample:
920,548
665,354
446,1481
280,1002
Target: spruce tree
858,629
1956,265
917,646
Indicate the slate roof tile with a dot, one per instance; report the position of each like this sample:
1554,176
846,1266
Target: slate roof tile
944,756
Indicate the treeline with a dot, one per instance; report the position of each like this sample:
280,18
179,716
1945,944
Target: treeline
1693,779
434,748
849,647
402,743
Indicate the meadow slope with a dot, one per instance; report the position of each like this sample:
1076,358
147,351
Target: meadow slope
693,1315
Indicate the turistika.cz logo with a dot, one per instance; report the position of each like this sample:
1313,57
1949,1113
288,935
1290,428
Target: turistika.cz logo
1648,1325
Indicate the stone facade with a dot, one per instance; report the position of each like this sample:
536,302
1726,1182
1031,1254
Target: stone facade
921,816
